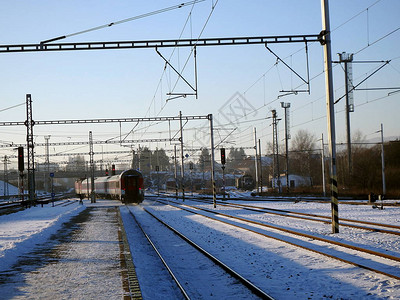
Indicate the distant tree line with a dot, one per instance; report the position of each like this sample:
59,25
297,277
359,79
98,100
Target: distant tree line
305,160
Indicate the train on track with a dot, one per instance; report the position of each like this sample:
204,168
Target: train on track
127,187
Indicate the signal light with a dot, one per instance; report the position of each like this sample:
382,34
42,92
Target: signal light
223,156
21,159
112,169
106,172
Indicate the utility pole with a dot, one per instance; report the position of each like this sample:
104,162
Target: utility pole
276,148
261,168
210,118
383,163
139,158
323,165
347,58
191,176
158,174
326,41
182,158
91,154
6,162
175,174
286,106
133,166
256,159
47,177
29,123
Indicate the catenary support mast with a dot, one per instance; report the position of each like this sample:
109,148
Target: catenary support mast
330,112
214,188
256,160
30,145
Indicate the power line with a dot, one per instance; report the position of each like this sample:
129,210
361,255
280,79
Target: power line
356,15
378,40
122,21
14,106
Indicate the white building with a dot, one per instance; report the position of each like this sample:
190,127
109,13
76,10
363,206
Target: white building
294,181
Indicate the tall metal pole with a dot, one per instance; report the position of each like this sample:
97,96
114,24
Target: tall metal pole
175,174
133,166
210,118
29,123
286,106
91,154
348,134
323,165
347,58
158,174
223,182
5,190
256,160
182,158
383,164
47,152
261,168
326,31
276,149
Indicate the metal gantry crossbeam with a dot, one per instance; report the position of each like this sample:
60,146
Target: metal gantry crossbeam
99,121
41,47
82,153
94,142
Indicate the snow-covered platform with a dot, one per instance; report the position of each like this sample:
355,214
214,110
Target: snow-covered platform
63,252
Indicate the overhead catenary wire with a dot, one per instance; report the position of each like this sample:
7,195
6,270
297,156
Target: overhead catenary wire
159,86
187,60
336,28
194,47
263,76
11,107
314,100
122,21
367,102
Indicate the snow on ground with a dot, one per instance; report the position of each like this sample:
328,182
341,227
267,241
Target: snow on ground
12,190
285,272
20,232
79,259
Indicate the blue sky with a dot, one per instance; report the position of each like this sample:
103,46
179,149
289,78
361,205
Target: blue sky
131,83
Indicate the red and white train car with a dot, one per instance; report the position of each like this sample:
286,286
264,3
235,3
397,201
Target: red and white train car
127,187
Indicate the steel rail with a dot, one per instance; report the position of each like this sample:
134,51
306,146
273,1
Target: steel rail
305,216
181,288
383,255
253,288
168,202
325,217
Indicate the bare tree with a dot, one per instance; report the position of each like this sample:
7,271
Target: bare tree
302,157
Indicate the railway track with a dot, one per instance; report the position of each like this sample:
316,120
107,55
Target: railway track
348,201
7,207
377,227
374,261
207,267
